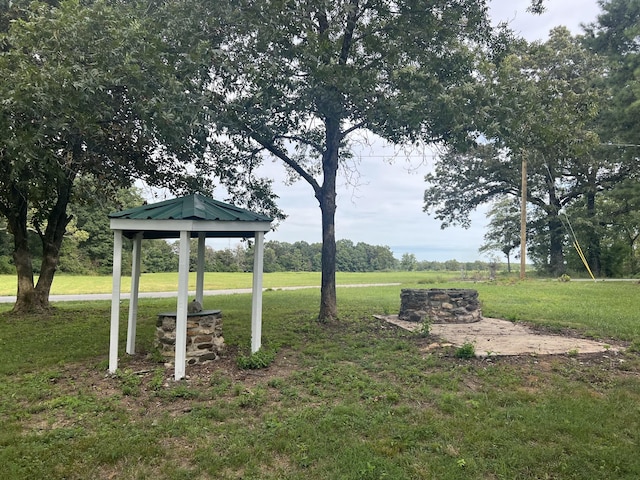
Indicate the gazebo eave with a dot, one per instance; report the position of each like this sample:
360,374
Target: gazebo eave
212,228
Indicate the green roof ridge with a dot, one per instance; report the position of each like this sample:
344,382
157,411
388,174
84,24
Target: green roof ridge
191,207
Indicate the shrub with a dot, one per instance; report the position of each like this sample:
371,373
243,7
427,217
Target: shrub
260,359
467,350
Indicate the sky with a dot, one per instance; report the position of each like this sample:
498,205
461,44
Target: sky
384,205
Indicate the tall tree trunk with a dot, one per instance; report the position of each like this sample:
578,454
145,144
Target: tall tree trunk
594,250
15,211
327,200
556,243
328,298
51,239
556,232
30,298
17,223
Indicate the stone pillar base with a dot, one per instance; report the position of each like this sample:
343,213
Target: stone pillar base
204,336
440,305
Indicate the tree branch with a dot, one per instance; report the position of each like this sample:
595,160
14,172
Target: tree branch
306,141
355,127
271,148
347,40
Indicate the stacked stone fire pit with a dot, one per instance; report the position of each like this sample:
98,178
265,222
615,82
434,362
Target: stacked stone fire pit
440,305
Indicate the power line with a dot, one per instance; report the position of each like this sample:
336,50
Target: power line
619,145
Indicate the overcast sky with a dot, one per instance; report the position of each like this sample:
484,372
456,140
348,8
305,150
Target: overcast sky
385,205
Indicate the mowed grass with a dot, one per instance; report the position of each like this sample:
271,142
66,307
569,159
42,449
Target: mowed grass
353,399
168,282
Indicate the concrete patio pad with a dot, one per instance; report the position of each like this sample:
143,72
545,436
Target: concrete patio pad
492,336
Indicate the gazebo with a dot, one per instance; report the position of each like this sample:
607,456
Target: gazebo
192,216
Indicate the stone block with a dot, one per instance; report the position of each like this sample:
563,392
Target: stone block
204,336
455,305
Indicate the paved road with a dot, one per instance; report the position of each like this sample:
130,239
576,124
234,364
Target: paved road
125,296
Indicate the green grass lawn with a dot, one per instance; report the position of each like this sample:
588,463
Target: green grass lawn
168,282
354,399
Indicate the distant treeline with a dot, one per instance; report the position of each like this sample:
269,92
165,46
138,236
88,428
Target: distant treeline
87,249
305,257
90,254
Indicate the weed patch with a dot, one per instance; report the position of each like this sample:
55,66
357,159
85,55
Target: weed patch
467,350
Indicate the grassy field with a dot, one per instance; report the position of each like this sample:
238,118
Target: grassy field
354,399
168,282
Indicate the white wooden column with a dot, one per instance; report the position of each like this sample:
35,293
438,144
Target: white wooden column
133,298
181,310
256,304
200,271
115,301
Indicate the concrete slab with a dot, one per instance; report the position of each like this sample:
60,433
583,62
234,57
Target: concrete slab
492,336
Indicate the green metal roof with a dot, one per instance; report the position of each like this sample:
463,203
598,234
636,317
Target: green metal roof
191,207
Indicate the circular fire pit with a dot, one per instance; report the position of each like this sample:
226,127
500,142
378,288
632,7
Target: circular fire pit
440,305
204,336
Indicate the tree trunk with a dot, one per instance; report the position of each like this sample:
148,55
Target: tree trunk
30,299
594,250
52,238
556,233
327,200
556,254
328,298
24,266
16,215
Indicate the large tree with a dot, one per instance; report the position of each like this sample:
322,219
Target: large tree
547,97
616,36
101,87
303,76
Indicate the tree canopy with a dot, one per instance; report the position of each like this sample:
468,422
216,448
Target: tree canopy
615,36
301,77
99,88
547,98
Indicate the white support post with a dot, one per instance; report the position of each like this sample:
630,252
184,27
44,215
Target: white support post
133,298
200,271
115,301
181,310
256,304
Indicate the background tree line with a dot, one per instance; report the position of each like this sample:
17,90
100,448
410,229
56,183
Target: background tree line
88,247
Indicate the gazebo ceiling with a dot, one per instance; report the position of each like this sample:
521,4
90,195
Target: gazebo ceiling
193,213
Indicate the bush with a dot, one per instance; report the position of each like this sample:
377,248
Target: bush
468,350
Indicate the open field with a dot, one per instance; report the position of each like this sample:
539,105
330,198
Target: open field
168,282
355,399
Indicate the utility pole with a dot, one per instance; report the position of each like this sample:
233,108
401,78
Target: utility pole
523,218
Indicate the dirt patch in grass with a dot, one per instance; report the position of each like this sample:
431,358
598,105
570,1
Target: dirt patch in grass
147,388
